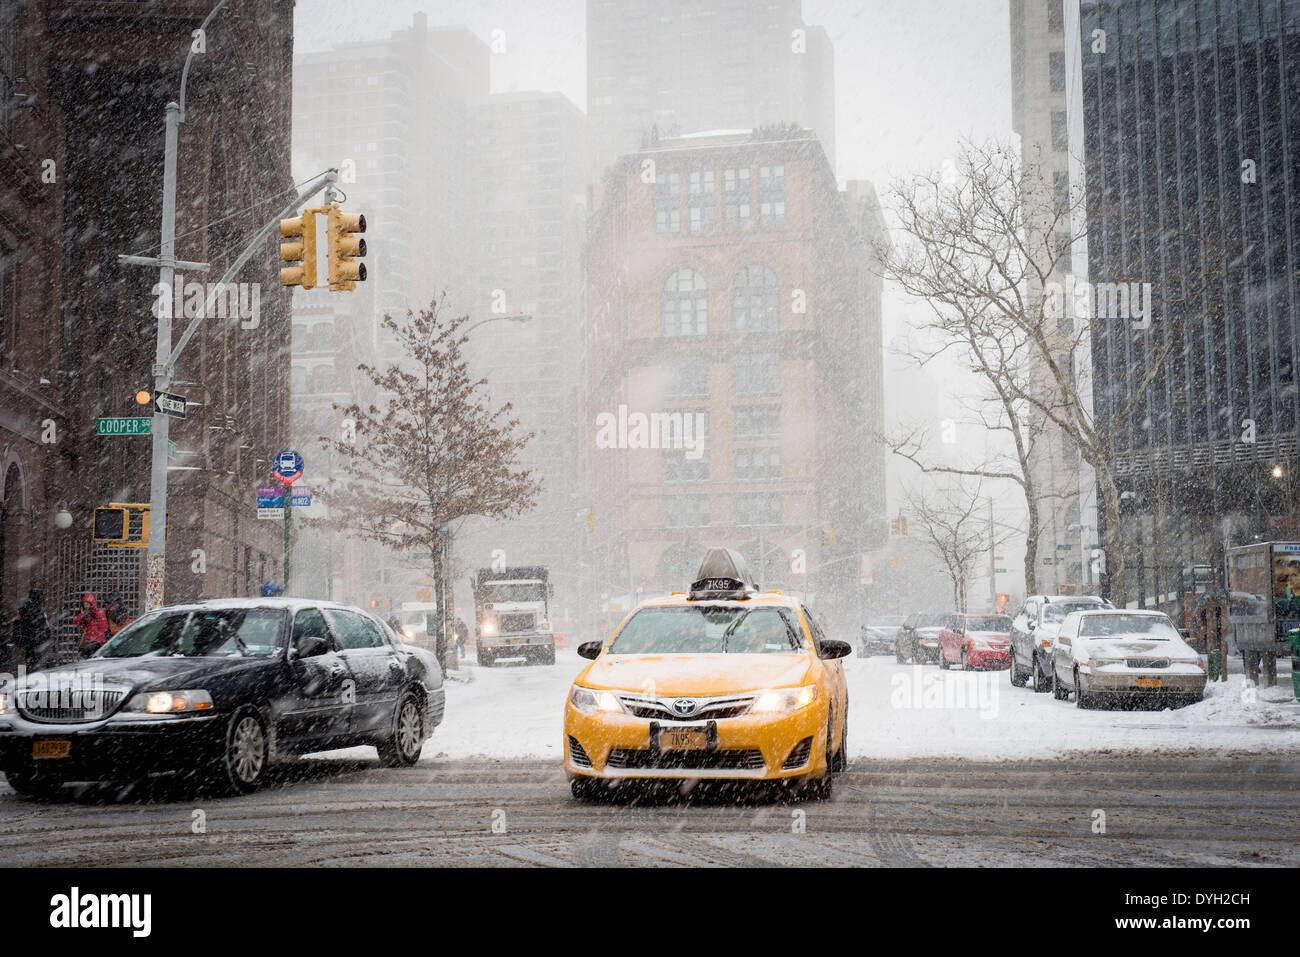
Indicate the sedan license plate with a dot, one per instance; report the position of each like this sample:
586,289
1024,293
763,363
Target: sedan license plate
683,739
1148,682
51,748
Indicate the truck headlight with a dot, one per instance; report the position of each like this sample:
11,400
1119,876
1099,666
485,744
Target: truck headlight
169,702
489,628
589,700
783,700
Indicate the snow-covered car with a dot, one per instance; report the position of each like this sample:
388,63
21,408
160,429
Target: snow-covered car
1033,629
878,637
918,638
975,641
213,690
1124,653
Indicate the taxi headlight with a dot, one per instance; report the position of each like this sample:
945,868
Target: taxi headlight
783,700
169,702
590,701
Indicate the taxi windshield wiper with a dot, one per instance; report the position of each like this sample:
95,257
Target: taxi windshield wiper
731,628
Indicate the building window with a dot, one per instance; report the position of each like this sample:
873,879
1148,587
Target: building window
1061,192
686,511
322,337
322,379
758,374
1060,133
668,200
758,463
684,305
758,422
679,468
703,202
735,199
759,508
8,320
687,378
1056,71
771,197
1055,16
755,300
8,63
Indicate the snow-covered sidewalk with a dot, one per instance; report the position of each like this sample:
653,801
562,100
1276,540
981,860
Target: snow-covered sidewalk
900,711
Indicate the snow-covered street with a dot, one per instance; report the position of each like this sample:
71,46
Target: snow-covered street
900,711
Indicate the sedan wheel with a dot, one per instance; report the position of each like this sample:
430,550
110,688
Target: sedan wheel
1017,677
943,659
242,768
402,749
1059,691
1042,682
1081,700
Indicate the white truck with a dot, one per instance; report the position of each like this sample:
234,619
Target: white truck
512,617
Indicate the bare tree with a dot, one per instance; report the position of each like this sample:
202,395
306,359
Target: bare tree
433,454
989,250
953,531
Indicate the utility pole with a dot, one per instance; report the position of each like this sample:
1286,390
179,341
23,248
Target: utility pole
993,562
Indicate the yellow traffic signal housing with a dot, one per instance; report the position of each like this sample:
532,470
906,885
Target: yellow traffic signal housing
123,525
344,271
299,251
828,538
591,523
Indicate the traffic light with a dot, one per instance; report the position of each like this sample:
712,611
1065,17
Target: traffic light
591,523
345,271
895,561
898,526
828,538
299,251
374,603
111,525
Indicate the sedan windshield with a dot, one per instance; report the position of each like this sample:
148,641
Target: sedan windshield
707,629
1110,626
996,623
228,631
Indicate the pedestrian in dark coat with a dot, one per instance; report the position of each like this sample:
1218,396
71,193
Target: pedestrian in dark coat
31,632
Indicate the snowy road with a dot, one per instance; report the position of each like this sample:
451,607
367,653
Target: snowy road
947,768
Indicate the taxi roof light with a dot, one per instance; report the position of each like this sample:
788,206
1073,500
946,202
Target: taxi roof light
723,574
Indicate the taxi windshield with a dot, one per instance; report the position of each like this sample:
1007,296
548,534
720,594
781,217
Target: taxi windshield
707,629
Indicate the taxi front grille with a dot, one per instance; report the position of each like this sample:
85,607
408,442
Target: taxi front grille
1147,662
578,754
662,708
751,759
799,756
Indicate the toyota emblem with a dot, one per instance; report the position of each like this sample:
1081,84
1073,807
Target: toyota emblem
685,706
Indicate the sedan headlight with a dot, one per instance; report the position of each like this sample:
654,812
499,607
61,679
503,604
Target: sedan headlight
783,700
1099,662
590,701
169,702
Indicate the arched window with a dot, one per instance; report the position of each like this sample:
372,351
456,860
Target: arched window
322,379
755,300
685,304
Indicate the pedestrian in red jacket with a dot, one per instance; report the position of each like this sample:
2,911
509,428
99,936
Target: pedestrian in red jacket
93,625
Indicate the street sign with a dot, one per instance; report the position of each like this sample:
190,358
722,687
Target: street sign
1064,548
171,449
272,496
270,501
124,425
169,404
1000,571
287,468
276,514
418,555
300,497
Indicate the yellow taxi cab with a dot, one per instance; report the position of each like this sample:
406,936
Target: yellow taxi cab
723,683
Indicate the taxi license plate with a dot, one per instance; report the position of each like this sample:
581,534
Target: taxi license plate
683,739
51,748
1148,682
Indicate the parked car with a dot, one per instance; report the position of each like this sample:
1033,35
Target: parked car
878,637
918,638
1034,627
975,641
214,690
1124,653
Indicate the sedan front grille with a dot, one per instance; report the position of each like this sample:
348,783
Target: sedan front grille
69,705
578,754
644,706
1147,662
750,760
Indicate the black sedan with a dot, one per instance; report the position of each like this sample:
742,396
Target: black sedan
216,690
918,638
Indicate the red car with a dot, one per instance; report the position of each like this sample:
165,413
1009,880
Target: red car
975,641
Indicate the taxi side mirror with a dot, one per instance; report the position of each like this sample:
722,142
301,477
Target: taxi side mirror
834,648
589,649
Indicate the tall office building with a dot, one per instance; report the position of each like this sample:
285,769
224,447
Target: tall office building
525,245
733,369
682,66
1039,80
1190,111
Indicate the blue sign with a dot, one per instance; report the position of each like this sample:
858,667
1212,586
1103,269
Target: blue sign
300,501
288,465
270,501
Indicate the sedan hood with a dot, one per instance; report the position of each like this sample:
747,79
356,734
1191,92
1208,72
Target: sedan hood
1134,646
160,672
993,636
699,675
